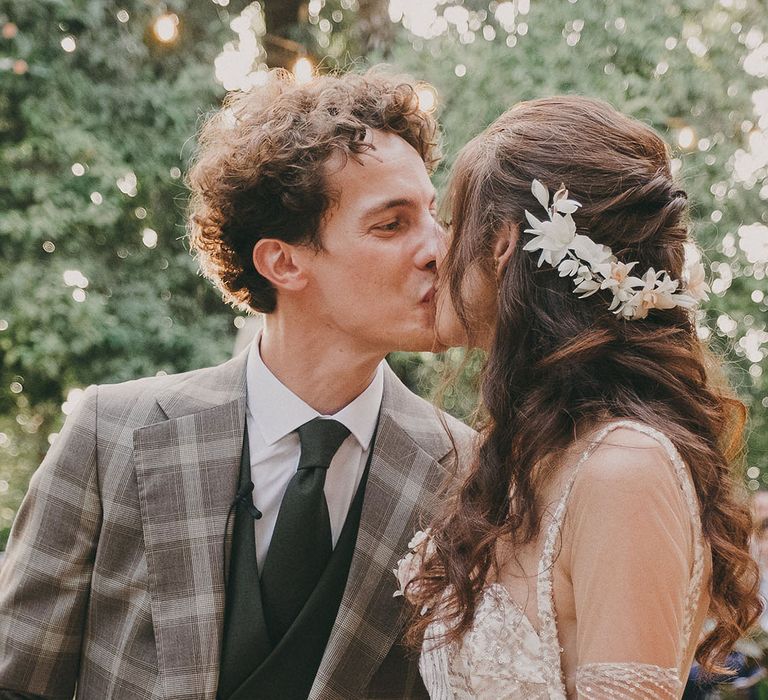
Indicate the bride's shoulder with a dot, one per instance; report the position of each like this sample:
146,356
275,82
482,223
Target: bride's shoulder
631,489
631,454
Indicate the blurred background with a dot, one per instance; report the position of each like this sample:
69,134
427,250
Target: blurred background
99,104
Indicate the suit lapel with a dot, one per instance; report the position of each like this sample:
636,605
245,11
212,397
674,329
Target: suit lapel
402,480
186,470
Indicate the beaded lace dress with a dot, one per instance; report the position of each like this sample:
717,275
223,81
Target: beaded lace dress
503,657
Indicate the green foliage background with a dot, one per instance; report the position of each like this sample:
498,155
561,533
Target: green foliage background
122,103
673,65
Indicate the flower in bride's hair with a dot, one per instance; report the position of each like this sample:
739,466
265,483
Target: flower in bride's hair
553,238
616,275
568,267
562,204
584,248
696,286
586,284
541,193
593,266
658,292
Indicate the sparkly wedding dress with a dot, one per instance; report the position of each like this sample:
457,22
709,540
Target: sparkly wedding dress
634,630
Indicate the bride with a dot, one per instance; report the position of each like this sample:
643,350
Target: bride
597,528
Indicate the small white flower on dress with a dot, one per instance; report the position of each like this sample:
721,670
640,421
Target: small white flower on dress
420,537
406,571
594,267
408,568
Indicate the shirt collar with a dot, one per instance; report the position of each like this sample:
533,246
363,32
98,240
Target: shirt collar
277,411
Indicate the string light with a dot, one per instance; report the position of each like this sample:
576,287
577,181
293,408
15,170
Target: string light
166,27
686,137
303,70
69,44
427,95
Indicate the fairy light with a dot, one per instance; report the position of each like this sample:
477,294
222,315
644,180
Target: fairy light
686,137
303,70
166,27
427,95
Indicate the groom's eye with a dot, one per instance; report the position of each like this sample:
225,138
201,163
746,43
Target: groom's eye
389,226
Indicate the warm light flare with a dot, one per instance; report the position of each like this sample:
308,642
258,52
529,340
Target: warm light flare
427,95
303,70
686,137
166,27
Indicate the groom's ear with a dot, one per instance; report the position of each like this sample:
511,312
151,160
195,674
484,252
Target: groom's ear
281,263
506,240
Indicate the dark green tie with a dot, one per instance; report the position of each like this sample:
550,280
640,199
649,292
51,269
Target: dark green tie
301,543
244,644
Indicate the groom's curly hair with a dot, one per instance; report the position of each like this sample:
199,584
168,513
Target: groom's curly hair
558,362
259,167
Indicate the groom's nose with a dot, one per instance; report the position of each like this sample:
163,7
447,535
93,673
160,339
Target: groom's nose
431,241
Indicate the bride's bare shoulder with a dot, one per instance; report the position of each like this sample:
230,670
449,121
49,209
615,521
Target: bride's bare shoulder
628,454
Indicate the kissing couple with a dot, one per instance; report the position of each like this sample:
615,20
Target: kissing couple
231,533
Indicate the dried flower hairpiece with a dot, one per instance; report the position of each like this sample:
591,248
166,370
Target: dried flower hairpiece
594,267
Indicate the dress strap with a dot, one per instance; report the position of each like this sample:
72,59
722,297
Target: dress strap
550,644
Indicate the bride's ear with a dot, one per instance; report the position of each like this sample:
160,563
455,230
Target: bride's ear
506,238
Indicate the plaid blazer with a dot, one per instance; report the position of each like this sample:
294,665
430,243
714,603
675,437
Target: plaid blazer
113,582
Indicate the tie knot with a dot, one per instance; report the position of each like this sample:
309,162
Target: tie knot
320,439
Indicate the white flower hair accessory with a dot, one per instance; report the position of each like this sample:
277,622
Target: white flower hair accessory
594,267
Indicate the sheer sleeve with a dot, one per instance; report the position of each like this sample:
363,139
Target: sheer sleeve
630,558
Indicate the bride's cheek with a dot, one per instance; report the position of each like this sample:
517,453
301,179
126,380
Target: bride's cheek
448,328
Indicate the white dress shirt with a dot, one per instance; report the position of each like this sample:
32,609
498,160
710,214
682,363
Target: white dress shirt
273,413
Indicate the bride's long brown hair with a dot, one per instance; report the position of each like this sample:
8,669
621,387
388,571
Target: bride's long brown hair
557,361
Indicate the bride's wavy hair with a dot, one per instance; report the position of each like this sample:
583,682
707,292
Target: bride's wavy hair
557,361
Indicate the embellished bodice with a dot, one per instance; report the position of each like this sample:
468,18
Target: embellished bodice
503,657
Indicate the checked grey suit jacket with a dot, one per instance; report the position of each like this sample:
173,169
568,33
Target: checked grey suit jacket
113,582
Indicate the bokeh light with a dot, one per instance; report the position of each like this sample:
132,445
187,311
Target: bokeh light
166,27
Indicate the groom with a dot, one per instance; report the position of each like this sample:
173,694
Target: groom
231,532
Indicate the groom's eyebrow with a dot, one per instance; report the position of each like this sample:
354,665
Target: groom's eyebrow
390,204
393,204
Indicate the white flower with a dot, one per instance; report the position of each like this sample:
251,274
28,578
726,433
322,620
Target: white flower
409,567
584,248
568,267
593,267
541,193
696,286
553,238
588,286
616,274
658,292
418,539
562,204
616,277
407,570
